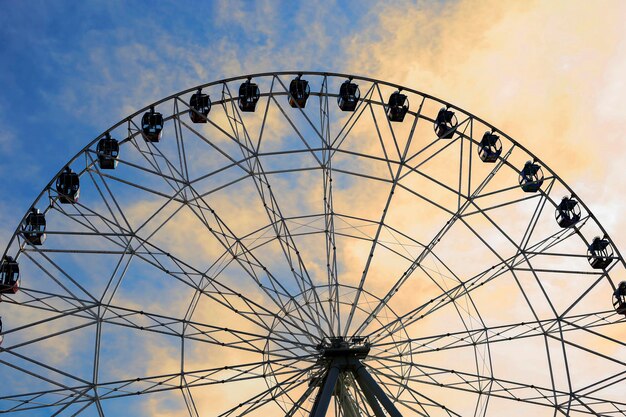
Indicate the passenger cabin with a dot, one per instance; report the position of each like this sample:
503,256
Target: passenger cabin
600,253
152,125
34,227
397,106
349,95
299,92
199,107
108,150
619,298
490,147
9,276
445,124
68,186
531,177
567,212
249,95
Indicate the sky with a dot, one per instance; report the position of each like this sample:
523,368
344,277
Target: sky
78,69
71,70
549,74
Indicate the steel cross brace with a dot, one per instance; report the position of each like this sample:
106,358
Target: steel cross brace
374,394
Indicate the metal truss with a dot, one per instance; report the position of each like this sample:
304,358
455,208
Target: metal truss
304,261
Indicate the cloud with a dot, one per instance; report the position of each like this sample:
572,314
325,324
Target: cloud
547,73
543,73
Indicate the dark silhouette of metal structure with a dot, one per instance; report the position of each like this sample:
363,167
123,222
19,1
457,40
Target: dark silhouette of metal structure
324,346
152,125
490,147
108,151
299,92
249,95
446,123
68,186
531,177
349,95
34,227
397,106
199,107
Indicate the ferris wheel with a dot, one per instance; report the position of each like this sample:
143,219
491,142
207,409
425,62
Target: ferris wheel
310,244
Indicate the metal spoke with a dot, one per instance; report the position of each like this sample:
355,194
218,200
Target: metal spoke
151,384
381,222
509,332
503,388
473,283
274,213
430,247
287,326
329,211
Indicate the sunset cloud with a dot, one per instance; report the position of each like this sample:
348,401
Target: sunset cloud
547,74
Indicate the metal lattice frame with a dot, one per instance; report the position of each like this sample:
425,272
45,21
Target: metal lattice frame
434,353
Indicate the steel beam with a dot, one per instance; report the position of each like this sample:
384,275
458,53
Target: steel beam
370,397
368,383
345,400
322,401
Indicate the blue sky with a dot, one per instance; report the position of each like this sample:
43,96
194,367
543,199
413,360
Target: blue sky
70,69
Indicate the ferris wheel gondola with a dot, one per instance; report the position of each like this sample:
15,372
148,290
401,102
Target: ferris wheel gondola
309,260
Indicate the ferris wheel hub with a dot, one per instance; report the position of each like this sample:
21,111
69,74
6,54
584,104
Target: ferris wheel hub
287,281
355,347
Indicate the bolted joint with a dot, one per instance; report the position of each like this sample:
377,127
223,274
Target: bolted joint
340,347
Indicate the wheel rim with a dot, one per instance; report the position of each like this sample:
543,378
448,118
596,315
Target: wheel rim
246,266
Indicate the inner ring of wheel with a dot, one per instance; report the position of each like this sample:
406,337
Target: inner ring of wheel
309,349
312,356
448,105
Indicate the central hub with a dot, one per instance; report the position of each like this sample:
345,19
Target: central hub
335,347
337,367
344,370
